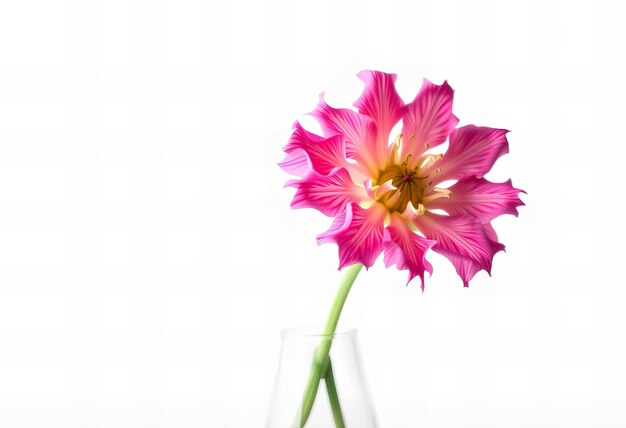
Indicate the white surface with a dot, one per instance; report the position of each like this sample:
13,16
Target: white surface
149,258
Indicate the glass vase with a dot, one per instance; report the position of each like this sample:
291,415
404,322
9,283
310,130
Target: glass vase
342,398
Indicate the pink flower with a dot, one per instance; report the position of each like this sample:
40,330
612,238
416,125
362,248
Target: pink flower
388,196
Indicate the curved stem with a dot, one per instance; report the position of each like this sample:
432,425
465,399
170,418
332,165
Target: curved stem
333,397
320,359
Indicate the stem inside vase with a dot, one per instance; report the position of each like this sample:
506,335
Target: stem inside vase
321,360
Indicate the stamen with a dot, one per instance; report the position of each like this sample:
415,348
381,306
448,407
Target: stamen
428,160
448,192
384,188
410,213
394,198
395,149
439,193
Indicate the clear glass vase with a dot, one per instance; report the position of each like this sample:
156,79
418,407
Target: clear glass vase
342,398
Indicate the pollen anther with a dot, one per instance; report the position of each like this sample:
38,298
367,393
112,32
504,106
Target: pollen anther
439,193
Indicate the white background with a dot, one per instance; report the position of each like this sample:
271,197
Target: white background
149,257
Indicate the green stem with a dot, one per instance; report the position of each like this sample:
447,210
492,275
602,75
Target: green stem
333,397
320,359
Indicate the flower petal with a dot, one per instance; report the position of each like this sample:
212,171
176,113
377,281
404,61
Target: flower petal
325,153
381,102
358,130
328,194
467,266
460,234
490,232
338,226
480,198
427,120
406,249
473,151
296,162
358,233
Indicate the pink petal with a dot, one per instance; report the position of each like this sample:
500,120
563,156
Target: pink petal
358,233
381,102
406,249
480,198
338,226
473,151
296,162
428,119
325,154
328,194
460,234
358,130
490,232
467,267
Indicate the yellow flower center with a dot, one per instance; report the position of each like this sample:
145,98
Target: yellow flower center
407,180
409,187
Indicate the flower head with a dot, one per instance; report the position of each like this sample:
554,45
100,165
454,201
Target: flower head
386,192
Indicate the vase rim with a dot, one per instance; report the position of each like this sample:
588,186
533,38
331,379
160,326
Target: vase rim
313,332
